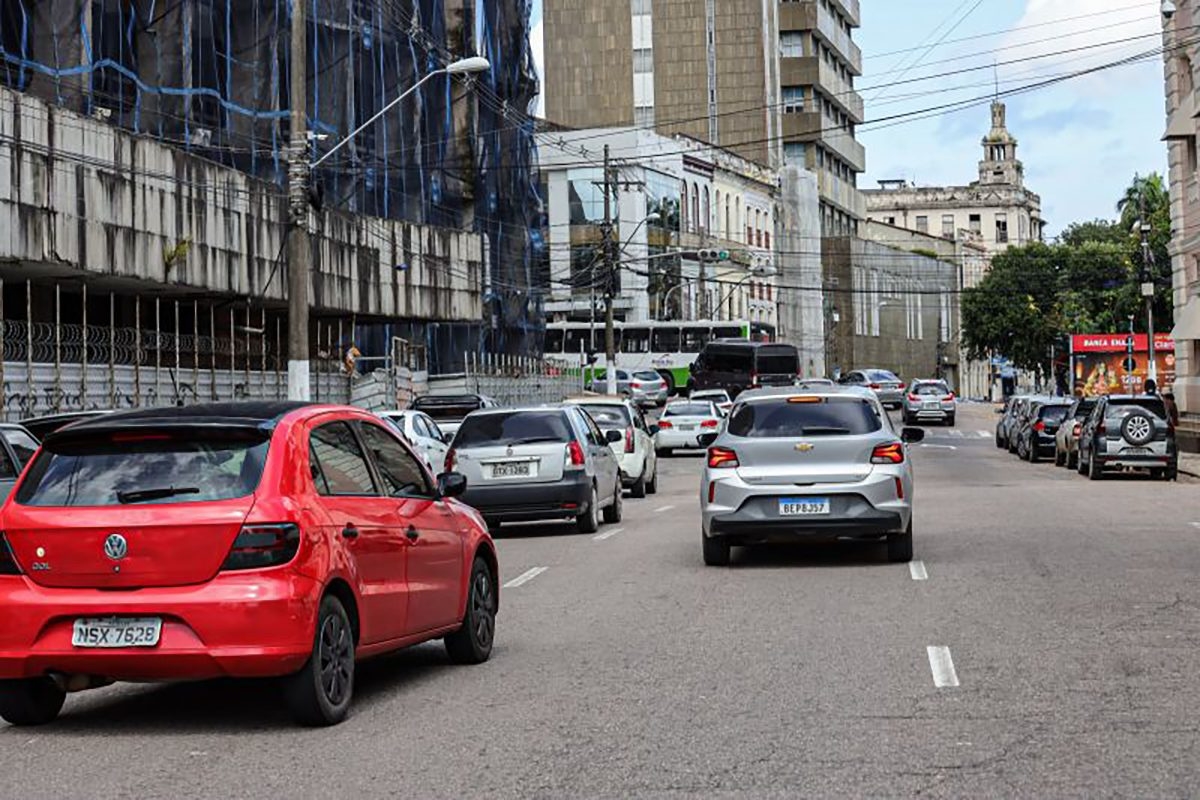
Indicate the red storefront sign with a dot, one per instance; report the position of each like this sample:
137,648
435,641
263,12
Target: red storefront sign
1118,343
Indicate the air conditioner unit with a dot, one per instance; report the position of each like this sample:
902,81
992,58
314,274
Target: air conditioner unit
201,137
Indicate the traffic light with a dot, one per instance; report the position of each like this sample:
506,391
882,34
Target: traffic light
1129,364
712,256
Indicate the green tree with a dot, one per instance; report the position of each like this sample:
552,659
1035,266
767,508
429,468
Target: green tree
1013,311
1146,200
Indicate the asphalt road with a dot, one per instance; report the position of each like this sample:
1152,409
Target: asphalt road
1070,612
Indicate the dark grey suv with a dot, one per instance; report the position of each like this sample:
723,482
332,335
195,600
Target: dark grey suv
1128,431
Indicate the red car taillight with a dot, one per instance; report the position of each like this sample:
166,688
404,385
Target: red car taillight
451,460
899,489
8,563
664,425
709,423
635,385
575,454
263,545
629,448
875,387
722,458
950,396
888,454
912,398
1039,426
1078,430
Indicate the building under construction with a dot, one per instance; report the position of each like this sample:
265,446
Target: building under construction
143,152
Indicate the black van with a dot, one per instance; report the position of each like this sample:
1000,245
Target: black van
737,364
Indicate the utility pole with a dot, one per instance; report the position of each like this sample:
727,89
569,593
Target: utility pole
299,250
610,283
1148,291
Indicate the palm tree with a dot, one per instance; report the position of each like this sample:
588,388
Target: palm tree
1150,190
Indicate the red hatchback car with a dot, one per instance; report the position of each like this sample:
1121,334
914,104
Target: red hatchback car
233,540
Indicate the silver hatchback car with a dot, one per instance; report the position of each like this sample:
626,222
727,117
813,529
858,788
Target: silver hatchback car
794,465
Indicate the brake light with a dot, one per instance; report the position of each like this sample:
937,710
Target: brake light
712,491
912,398
575,454
635,385
629,440
1078,431
875,387
263,545
663,425
8,562
721,458
899,489
1101,428
709,423
451,460
950,396
888,454
1039,426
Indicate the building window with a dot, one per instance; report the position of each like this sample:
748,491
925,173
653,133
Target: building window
976,223
923,224
643,60
643,117
793,99
717,217
695,207
767,239
791,44
642,7
683,210
706,217
794,153
1022,228
729,232
948,226
890,220
1001,227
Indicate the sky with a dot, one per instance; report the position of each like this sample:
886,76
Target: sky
1081,140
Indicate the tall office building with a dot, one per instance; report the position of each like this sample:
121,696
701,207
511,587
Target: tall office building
772,80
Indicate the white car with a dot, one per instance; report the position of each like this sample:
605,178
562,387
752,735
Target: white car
719,397
684,422
420,431
636,451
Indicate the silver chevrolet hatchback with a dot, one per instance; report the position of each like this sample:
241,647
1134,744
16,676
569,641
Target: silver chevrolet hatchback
791,465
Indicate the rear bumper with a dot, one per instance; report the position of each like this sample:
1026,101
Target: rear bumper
676,439
852,515
920,413
633,466
533,502
244,625
1136,462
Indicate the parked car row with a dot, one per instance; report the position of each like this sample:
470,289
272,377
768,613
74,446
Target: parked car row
1096,436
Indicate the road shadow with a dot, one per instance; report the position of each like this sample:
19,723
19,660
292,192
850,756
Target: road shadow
818,554
226,705
536,530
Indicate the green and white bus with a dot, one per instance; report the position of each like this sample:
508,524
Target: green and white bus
668,348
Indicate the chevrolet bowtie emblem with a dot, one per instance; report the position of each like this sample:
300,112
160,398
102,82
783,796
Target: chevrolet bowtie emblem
803,447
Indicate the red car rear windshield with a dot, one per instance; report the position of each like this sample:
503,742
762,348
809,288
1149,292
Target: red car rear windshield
115,469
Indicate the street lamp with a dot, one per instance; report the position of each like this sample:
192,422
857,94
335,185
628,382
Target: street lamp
464,66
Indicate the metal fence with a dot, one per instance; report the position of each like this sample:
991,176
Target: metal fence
515,380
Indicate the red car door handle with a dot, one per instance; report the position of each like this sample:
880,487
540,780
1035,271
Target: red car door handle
350,532
412,534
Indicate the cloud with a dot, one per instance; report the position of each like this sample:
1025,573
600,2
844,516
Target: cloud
536,43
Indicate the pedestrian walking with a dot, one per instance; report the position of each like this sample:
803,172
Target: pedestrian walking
1172,409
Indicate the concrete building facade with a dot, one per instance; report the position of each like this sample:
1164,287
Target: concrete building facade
997,208
771,80
890,309
1181,56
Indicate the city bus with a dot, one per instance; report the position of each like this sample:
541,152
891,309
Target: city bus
668,348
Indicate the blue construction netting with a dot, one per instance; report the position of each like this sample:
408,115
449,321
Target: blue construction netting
211,76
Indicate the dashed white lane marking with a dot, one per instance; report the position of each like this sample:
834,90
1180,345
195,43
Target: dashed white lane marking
940,446
1196,524
607,535
942,667
525,577
918,571
984,434
954,433
662,509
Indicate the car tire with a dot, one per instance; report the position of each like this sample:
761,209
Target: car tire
1072,461
472,643
492,524
900,546
1031,454
1138,429
1171,474
652,484
950,421
1095,471
589,520
716,551
638,490
321,692
1080,466
1059,457
614,512
30,701
999,442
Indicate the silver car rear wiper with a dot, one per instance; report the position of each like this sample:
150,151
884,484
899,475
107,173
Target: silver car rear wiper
534,440
817,430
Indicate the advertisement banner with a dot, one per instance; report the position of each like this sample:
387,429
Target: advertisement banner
1098,364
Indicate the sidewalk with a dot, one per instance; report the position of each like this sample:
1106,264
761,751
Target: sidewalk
1189,464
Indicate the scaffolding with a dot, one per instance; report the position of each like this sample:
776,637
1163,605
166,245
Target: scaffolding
211,77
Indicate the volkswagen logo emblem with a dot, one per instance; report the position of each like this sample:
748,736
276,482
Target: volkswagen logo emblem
115,546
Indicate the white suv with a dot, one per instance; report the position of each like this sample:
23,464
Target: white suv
635,452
